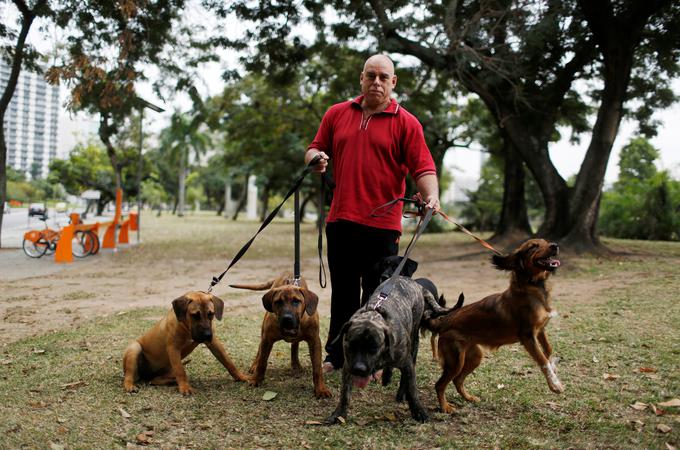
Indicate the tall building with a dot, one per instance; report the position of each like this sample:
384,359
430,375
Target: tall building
31,122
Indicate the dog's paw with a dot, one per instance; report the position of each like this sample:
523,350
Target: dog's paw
130,389
447,408
254,381
420,415
242,377
557,387
323,392
334,419
186,390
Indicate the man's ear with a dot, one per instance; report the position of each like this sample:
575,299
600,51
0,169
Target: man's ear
410,268
311,301
505,262
268,300
180,305
219,307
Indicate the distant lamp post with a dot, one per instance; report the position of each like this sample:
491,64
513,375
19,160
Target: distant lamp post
141,104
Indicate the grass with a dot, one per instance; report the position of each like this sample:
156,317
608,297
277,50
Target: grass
65,388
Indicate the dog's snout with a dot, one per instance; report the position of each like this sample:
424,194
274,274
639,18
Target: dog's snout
288,321
360,368
207,335
554,247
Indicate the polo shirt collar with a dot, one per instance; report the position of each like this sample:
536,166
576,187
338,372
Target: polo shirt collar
392,108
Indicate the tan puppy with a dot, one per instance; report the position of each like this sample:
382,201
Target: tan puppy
291,316
157,356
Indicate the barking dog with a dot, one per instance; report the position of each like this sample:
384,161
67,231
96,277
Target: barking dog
292,316
518,314
385,338
157,356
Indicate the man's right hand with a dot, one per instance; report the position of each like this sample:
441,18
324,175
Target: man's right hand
321,165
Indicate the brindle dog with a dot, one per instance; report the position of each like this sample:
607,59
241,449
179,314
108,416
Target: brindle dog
518,314
157,356
385,337
291,316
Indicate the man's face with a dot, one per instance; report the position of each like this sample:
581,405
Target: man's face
377,81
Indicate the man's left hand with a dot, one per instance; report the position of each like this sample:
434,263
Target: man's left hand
432,202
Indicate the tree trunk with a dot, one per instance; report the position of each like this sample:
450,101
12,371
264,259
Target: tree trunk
106,130
242,199
27,17
514,224
182,180
265,202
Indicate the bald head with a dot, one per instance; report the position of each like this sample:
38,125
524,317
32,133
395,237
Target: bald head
380,60
377,82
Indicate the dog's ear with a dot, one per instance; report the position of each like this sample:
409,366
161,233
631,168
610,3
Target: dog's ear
506,262
311,301
389,341
268,300
180,305
410,268
342,332
219,307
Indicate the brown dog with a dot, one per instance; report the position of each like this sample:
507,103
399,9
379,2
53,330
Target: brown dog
292,316
519,314
157,356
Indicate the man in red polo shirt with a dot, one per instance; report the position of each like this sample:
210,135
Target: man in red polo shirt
373,143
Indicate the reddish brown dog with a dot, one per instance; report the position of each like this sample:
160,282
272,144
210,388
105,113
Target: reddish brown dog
518,314
291,316
157,356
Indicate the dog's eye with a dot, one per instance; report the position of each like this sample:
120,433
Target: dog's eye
196,315
296,302
210,315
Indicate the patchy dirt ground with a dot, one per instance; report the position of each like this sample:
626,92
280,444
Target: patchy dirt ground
38,296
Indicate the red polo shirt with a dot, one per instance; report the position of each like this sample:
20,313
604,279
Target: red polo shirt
371,159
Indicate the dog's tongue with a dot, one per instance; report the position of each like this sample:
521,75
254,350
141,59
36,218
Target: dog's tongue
360,382
554,262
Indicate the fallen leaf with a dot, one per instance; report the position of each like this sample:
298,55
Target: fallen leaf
142,439
647,370
500,386
73,385
313,422
391,417
38,351
124,413
553,405
38,404
54,446
269,395
662,428
6,362
60,420
637,424
673,403
341,420
612,364
670,447
595,360
610,376
655,410
639,406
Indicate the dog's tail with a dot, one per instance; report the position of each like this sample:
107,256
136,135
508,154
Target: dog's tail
431,315
254,287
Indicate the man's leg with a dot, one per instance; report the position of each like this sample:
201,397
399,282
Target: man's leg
381,243
344,250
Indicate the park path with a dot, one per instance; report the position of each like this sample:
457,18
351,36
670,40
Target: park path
39,296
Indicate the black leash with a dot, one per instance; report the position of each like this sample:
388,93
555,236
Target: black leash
325,180
269,218
387,287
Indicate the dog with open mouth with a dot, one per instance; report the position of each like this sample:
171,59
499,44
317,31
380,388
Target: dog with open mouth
518,314
384,335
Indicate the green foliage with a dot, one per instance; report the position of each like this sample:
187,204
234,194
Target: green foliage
644,203
482,211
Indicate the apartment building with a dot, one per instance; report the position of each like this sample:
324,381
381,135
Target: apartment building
31,122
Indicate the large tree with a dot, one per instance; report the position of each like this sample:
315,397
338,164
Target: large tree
521,58
15,50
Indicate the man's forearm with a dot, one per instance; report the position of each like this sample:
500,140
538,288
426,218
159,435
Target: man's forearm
428,186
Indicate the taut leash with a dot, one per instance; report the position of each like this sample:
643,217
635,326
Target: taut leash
387,287
270,217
